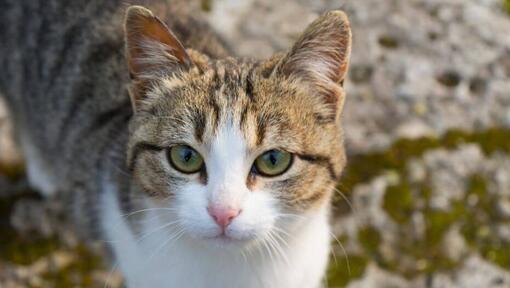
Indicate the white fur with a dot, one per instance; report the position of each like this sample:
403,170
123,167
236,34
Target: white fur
37,171
179,244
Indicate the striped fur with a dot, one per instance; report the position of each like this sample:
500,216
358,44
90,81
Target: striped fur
96,124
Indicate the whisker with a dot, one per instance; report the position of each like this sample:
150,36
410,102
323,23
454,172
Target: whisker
146,210
109,276
169,240
345,252
285,233
349,203
156,230
279,248
284,215
268,249
244,257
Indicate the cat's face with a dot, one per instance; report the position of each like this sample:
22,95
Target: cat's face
240,150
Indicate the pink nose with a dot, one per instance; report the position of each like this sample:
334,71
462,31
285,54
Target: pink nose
221,215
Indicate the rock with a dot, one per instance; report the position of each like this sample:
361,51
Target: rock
414,129
376,277
416,171
449,194
455,244
448,171
475,273
504,207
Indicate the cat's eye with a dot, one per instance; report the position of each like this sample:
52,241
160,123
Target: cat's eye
273,163
185,159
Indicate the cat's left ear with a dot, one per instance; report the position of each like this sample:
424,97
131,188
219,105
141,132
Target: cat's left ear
321,57
152,50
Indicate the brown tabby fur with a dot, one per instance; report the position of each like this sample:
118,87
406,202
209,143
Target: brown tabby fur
66,81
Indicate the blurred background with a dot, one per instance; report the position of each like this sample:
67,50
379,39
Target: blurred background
425,199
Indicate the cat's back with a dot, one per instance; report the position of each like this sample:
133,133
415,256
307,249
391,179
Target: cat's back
56,48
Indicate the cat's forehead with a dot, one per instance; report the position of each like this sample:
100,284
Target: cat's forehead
233,93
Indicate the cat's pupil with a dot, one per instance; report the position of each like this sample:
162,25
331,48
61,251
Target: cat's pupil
187,155
272,158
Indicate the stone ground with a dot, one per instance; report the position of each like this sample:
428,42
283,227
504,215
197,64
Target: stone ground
426,196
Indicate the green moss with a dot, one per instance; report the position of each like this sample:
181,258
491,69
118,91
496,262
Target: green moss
506,5
438,222
346,269
78,273
206,5
479,225
370,239
417,255
361,168
14,247
425,254
22,250
398,203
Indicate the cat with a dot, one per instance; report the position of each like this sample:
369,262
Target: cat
198,169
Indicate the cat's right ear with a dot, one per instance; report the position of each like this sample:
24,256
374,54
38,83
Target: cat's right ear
152,50
320,57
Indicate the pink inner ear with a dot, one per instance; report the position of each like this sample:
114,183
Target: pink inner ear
320,56
322,52
142,25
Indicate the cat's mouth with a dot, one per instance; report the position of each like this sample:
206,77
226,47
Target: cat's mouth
224,238
227,240
224,241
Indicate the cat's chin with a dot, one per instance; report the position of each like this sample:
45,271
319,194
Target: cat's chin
227,242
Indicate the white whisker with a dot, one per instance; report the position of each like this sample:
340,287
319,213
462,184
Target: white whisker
109,276
345,253
156,230
349,203
278,247
146,210
173,238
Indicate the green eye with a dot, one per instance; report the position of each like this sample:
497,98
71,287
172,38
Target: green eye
185,159
273,163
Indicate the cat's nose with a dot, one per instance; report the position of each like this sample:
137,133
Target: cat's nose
223,215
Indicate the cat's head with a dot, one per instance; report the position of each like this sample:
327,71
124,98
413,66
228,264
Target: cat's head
240,149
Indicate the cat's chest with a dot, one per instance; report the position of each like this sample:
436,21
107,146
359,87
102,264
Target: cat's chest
169,259
157,256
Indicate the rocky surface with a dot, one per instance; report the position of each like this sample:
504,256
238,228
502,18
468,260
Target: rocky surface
431,223
426,195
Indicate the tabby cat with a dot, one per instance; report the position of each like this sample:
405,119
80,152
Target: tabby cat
198,169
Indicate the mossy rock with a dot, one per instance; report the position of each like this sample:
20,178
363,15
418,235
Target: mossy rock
16,248
398,203
78,273
24,250
427,254
361,168
345,269
480,224
506,5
